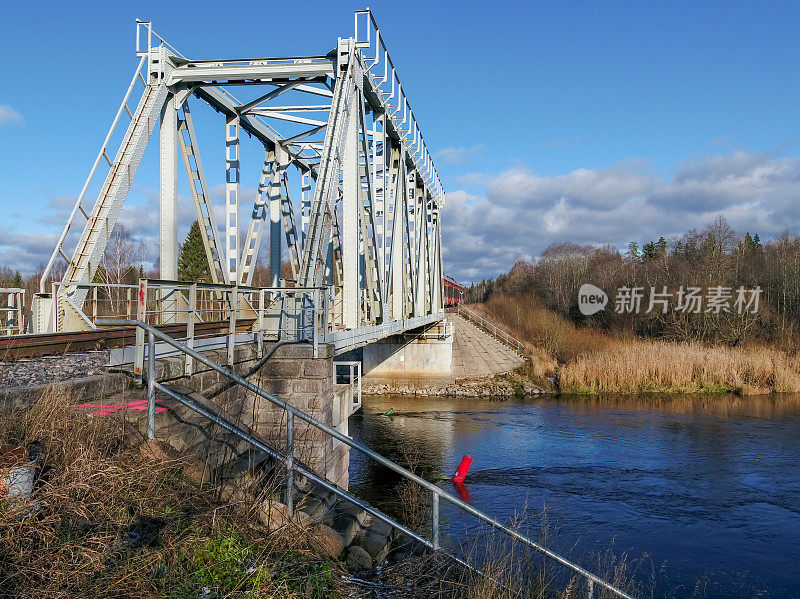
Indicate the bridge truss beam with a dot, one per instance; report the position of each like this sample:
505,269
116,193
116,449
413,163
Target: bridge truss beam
370,197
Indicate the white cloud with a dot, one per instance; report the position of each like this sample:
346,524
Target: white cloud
521,213
460,155
10,116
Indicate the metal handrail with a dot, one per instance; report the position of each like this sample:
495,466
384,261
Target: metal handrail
489,327
437,493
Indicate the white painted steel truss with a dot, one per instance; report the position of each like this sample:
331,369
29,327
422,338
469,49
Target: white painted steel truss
370,198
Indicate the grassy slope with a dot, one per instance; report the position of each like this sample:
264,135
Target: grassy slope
588,361
112,522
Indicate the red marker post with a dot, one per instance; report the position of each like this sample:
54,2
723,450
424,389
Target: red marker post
463,468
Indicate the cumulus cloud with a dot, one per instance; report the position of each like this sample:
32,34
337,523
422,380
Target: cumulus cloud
459,156
10,116
521,213
500,217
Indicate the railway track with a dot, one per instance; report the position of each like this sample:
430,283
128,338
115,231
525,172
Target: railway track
16,347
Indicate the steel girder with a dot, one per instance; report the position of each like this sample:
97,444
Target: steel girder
370,196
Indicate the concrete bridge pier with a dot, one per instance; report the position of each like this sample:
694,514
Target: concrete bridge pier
418,355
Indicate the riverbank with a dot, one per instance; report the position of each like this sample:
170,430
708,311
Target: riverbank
111,514
588,361
501,386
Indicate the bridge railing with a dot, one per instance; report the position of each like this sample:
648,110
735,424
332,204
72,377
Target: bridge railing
349,372
217,315
490,328
386,83
431,541
12,316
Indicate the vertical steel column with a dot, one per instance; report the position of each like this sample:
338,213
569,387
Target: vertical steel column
435,520
169,199
232,198
421,230
275,223
396,267
351,183
305,202
151,385
188,365
290,462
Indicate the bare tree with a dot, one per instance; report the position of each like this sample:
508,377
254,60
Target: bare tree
117,264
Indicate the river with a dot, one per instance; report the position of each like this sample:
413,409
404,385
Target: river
702,493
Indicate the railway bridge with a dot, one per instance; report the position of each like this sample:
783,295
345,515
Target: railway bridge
348,202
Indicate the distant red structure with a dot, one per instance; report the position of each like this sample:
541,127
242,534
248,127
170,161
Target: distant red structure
453,292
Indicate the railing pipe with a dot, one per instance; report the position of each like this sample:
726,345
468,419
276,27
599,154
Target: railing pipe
435,520
366,451
290,463
151,385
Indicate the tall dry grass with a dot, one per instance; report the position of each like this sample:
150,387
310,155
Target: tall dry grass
634,366
590,361
527,319
107,519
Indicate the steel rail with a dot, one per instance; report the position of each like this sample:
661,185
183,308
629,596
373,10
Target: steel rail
452,499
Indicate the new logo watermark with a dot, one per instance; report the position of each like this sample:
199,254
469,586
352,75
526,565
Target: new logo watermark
689,300
591,299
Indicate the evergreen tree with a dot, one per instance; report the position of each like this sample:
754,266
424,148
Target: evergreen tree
661,247
192,263
17,282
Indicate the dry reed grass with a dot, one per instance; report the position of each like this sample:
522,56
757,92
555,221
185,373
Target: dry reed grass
546,334
593,362
634,366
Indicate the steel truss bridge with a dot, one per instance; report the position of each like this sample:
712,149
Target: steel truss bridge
365,257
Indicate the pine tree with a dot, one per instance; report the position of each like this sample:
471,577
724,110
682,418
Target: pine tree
661,247
192,263
17,282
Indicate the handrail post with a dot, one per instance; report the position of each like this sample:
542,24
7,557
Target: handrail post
290,462
358,368
435,520
151,385
260,333
234,305
141,314
188,364
590,589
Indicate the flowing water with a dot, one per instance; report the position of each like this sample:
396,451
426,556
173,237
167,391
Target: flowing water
703,491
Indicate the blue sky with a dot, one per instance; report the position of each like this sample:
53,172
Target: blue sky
587,122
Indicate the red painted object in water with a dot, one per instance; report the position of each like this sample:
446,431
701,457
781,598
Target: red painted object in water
462,469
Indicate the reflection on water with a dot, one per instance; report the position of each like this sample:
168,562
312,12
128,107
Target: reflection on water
706,486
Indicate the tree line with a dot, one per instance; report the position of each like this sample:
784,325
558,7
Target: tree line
715,259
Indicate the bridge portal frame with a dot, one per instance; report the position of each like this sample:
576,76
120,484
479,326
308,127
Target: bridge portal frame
370,226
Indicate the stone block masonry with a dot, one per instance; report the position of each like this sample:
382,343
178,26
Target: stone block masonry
304,381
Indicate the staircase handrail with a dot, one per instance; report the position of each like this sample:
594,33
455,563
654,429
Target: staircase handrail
489,327
437,492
